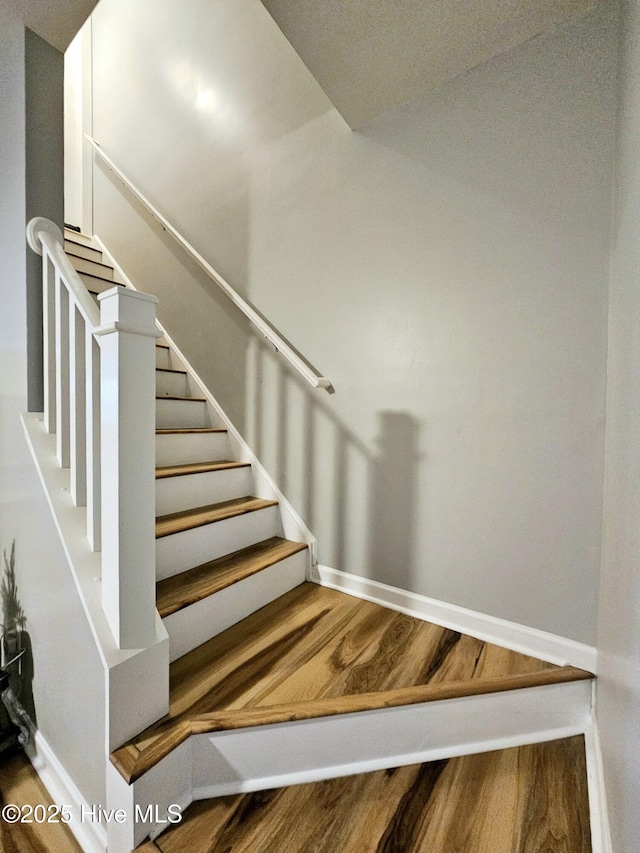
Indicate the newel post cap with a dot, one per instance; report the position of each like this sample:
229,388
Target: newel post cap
124,310
34,229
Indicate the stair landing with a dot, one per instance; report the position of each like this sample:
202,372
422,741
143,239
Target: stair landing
318,652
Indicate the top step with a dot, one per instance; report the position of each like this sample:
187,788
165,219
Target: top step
77,237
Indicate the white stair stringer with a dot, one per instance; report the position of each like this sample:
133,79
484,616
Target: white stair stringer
197,623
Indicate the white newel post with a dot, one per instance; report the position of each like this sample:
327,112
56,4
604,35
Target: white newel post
127,334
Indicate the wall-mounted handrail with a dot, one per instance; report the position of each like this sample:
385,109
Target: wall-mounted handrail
294,358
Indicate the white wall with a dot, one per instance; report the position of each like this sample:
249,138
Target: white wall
446,267
618,705
68,677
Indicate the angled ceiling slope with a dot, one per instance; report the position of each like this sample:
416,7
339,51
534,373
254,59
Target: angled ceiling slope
371,55
56,21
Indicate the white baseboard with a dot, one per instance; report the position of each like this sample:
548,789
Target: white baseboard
511,635
600,830
91,836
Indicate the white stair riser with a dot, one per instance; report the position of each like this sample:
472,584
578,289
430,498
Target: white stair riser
163,357
181,414
83,251
77,237
182,551
85,265
94,284
194,625
189,491
265,757
171,384
191,447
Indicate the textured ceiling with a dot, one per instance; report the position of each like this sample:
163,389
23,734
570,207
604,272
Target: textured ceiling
371,55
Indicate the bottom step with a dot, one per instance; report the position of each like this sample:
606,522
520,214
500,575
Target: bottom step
319,685
528,798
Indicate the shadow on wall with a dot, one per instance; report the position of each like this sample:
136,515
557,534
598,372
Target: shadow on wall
360,503
394,499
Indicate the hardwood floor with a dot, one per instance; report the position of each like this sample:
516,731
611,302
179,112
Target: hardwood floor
317,652
530,799
20,785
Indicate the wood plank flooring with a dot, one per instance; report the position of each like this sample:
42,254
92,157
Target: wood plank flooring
20,786
315,652
530,799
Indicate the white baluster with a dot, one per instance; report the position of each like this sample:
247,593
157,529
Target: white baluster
49,340
92,399
62,372
77,420
127,413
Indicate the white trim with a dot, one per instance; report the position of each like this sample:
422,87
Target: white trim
511,635
600,827
91,836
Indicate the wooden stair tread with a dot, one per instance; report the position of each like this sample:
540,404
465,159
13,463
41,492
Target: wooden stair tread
179,591
316,652
177,522
163,346
169,369
187,430
198,468
187,399
97,278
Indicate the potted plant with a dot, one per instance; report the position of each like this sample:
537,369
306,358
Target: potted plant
13,617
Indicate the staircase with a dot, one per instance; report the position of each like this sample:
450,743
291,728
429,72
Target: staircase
273,679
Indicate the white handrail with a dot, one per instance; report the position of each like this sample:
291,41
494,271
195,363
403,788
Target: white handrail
75,285
294,358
